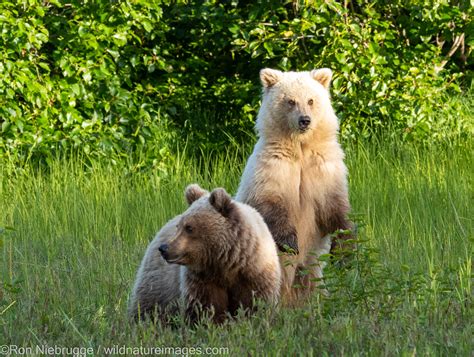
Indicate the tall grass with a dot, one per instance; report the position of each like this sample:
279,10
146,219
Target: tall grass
73,237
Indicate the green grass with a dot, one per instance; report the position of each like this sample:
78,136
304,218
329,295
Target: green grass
77,236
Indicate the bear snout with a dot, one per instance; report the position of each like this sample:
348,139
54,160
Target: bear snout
164,250
303,122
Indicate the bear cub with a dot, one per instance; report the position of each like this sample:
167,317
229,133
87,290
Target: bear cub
296,177
216,257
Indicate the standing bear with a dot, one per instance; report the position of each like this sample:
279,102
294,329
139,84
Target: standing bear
296,177
216,257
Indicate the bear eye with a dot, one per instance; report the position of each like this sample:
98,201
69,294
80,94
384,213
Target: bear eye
291,102
188,228
310,102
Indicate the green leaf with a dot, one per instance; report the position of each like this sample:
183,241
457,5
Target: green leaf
5,126
120,39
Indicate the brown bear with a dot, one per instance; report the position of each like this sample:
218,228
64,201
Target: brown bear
296,177
216,257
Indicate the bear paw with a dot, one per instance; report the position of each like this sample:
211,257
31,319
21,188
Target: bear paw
287,243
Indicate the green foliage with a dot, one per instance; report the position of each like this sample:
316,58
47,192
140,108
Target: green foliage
71,78
117,78
383,55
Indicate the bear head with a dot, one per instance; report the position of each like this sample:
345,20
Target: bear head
295,104
206,234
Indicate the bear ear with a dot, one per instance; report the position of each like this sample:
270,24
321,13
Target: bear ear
221,201
270,77
193,192
322,75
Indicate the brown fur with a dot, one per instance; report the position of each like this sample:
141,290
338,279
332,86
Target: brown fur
222,257
276,217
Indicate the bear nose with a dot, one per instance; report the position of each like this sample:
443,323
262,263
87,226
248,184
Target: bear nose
304,121
163,249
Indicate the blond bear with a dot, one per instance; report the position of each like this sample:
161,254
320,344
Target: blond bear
296,177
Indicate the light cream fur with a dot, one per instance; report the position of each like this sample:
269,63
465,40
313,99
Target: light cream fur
301,169
157,282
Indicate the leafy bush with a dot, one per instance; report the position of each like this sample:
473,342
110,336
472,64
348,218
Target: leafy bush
70,78
384,56
118,78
